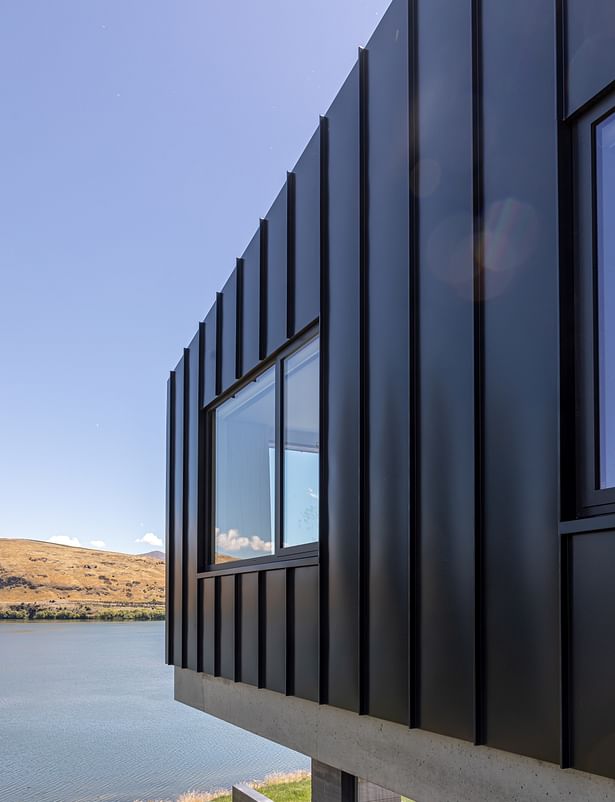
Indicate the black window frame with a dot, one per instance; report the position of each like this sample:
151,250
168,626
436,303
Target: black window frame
591,499
281,554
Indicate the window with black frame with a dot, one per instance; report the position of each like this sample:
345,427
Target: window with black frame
605,264
594,190
265,461
301,446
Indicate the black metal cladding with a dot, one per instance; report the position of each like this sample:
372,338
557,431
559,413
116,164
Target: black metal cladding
520,336
445,373
176,539
228,345
250,305
386,330
191,504
340,341
304,267
423,228
276,275
248,621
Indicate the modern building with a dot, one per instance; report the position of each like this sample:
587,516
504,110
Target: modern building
391,443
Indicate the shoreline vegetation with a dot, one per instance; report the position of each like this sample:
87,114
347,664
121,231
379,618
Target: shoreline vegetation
294,786
35,612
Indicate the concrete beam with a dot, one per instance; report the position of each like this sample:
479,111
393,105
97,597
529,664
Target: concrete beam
418,764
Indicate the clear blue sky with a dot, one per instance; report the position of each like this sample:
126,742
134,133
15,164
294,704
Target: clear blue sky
140,142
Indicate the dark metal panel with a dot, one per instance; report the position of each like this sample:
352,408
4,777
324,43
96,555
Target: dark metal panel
520,324
178,514
248,622
226,627
593,653
209,366
442,185
250,311
340,340
191,505
275,630
388,386
228,326
590,45
169,519
305,285
305,629
276,274
208,657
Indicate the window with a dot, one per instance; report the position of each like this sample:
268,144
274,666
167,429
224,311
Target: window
594,304
244,495
266,463
605,262
301,430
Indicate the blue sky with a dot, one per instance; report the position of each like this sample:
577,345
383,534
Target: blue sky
140,142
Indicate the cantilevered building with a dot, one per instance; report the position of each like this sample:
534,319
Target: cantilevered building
391,442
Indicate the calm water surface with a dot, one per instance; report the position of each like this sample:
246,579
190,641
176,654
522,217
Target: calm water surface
87,715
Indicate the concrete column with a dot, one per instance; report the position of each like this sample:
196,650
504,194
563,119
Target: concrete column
370,792
332,785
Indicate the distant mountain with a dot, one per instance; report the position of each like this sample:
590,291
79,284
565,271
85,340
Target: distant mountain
46,580
154,555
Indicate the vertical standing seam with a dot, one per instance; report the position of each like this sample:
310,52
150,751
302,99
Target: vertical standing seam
323,575
363,386
170,561
478,247
262,323
238,319
201,505
414,410
185,506
290,254
219,353
566,379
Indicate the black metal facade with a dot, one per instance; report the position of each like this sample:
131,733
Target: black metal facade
428,229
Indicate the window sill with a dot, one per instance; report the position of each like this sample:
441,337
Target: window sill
587,525
247,566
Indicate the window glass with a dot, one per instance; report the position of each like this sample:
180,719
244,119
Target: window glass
245,471
301,442
605,164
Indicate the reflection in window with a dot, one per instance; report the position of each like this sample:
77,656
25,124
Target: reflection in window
301,435
244,472
605,170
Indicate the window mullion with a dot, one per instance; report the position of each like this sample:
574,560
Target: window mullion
279,456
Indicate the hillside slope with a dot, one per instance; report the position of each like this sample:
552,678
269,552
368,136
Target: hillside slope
45,580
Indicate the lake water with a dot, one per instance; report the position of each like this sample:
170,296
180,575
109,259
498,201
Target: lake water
87,715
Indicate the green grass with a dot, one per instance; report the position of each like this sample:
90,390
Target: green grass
298,791
297,788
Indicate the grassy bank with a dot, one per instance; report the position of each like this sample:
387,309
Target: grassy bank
36,612
291,787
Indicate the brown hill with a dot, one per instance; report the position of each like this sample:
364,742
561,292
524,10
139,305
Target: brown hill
154,555
46,580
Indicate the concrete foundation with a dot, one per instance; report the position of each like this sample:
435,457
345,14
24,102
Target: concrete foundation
418,764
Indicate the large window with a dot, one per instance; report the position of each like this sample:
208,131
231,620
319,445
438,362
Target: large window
605,208
266,461
593,413
245,449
